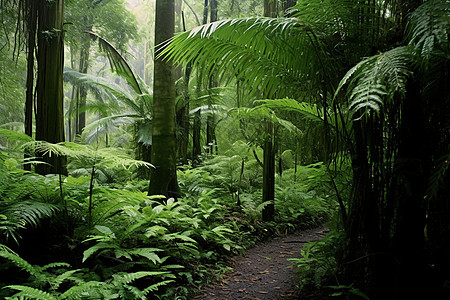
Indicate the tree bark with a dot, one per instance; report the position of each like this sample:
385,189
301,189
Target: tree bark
163,179
50,98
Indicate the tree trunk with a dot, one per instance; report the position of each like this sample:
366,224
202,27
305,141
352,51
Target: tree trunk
164,177
270,8
81,90
210,119
268,212
31,26
50,98
196,133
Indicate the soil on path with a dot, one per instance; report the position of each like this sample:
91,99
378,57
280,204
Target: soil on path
263,273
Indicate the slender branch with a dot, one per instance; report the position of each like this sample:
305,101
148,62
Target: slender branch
195,15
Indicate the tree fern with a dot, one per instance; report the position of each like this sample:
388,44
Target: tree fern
110,156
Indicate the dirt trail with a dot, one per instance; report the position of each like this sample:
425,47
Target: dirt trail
262,272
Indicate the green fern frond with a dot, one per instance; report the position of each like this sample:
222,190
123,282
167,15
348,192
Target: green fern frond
111,157
429,26
148,253
13,257
22,214
14,136
128,278
55,265
68,275
375,81
26,292
84,290
153,287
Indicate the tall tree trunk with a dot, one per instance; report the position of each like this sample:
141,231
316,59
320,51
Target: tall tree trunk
270,8
81,90
50,98
268,212
196,134
163,179
210,119
31,27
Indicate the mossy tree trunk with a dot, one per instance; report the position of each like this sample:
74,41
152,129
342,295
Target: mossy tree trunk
49,90
163,179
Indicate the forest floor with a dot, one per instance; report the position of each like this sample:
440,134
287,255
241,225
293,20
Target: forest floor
263,273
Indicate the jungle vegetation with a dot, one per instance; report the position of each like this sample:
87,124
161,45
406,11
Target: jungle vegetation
143,142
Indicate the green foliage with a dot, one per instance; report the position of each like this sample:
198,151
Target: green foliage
259,50
318,262
46,282
376,81
428,28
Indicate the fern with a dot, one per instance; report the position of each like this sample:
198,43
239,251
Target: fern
18,215
84,290
22,264
375,82
429,26
26,292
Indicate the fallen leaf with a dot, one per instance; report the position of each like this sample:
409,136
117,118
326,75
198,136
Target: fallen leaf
262,292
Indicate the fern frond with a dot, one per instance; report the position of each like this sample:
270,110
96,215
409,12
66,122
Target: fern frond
375,81
18,261
428,27
19,215
68,275
14,136
153,287
128,278
84,290
148,253
26,292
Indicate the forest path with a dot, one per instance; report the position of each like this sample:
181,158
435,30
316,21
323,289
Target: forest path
263,273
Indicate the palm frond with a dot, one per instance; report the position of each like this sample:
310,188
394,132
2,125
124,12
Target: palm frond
310,111
105,88
107,125
119,63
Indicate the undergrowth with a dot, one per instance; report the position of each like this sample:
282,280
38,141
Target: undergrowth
92,235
